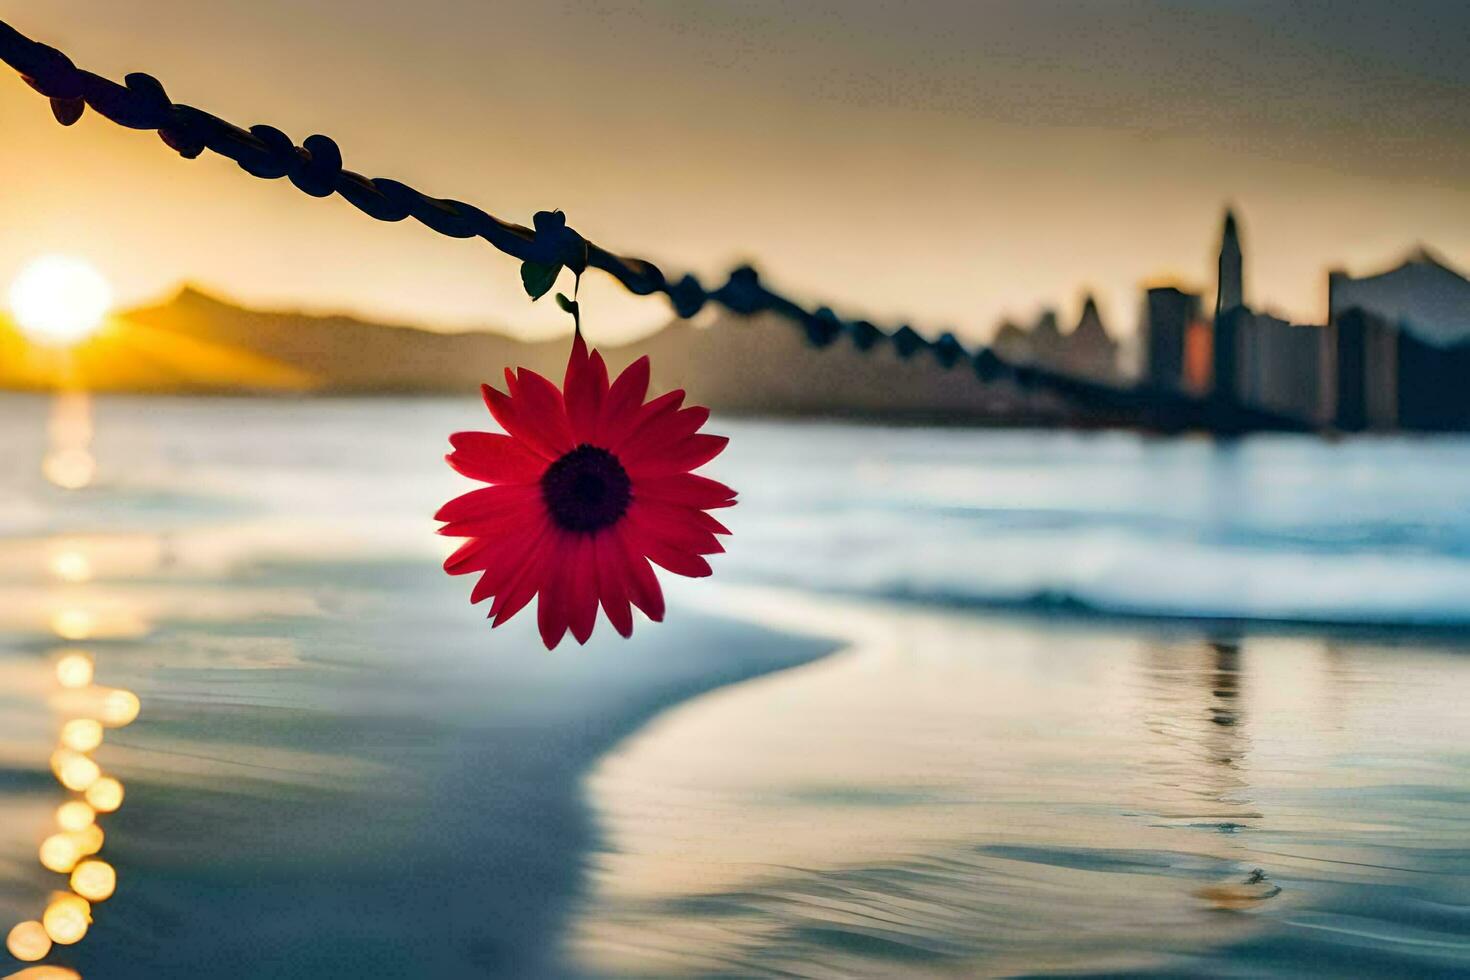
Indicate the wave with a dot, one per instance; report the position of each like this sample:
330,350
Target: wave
1054,602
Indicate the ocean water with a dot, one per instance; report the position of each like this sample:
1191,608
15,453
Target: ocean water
955,796
1273,528
956,703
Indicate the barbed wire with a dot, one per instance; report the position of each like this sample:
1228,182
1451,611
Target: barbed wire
315,167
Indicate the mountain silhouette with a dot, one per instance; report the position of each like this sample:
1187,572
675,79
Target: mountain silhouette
200,344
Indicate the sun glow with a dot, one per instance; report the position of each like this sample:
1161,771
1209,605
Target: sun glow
59,300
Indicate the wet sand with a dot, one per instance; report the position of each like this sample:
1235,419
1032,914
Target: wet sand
301,803
964,795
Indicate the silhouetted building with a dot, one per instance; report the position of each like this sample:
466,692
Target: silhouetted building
1230,328
1046,339
1232,320
1365,372
1394,354
1042,344
1261,361
1279,365
1231,278
1088,350
1169,313
1012,342
1433,385
1402,340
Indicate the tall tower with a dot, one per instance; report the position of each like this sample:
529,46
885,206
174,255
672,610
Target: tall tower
1231,280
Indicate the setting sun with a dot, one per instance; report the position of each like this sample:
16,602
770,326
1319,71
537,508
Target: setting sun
59,300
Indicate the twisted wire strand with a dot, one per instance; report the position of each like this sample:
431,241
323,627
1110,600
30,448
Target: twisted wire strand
315,167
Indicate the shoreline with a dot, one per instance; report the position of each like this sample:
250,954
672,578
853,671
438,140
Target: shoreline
1070,614
900,420
388,809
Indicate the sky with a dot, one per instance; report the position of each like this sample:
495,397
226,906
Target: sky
946,164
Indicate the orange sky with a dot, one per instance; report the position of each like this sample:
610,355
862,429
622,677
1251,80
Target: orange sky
947,163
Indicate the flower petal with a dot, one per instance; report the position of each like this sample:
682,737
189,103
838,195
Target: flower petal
486,587
676,561
506,412
554,609
672,527
481,553
643,587
582,579
689,454
684,489
490,502
493,458
576,360
522,586
612,586
623,400
542,410
650,414
496,526
659,435
707,522
472,556
515,549
584,390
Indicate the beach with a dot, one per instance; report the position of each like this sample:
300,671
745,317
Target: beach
942,710
971,795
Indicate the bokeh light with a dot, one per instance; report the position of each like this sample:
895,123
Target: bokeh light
71,565
60,853
67,919
45,973
73,624
75,815
28,942
74,671
69,469
89,840
94,880
120,708
86,710
73,770
105,795
82,734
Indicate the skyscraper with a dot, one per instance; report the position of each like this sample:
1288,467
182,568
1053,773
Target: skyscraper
1170,312
1231,282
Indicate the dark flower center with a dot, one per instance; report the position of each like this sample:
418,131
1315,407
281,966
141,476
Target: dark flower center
586,490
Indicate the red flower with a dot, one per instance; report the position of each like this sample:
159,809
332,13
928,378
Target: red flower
588,487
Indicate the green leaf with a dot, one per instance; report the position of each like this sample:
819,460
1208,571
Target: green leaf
538,279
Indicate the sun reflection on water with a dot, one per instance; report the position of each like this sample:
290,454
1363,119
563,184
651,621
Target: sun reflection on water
86,711
73,624
70,564
45,973
69,463
74,670
29,942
